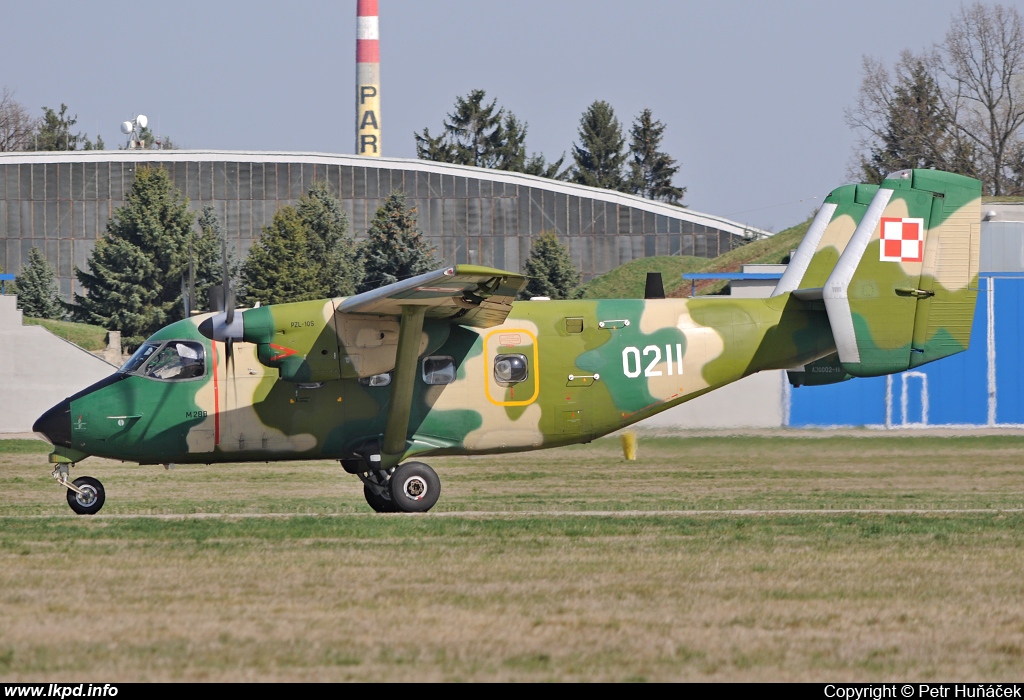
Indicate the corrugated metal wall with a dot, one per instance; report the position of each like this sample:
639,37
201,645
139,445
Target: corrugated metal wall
62,207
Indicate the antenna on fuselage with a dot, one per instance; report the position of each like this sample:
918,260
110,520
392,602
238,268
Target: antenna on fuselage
654,288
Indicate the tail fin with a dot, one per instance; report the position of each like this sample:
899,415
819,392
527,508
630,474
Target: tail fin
904,289
826,239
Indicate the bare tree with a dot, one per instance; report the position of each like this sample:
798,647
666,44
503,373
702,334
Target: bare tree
982,63
16,126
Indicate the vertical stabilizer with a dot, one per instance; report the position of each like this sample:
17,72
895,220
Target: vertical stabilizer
826,239
904,289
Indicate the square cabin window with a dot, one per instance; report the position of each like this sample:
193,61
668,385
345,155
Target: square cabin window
439,369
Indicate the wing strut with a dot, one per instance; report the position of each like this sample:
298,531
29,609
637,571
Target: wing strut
400,407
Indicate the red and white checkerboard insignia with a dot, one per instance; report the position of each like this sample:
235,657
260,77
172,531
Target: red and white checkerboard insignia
902,240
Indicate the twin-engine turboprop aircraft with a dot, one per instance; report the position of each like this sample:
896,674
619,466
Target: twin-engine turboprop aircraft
447,364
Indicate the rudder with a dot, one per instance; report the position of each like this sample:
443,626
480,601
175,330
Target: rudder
904,289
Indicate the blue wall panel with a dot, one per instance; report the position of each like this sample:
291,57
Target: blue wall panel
958,385
1008,303
856,402
955,389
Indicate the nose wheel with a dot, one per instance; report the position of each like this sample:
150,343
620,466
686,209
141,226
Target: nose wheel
89,496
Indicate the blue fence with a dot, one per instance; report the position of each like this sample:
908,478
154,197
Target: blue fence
983,386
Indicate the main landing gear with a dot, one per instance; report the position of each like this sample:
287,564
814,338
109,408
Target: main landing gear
85,494
412,487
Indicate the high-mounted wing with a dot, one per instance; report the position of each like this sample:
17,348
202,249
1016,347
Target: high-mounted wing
469,295
465,294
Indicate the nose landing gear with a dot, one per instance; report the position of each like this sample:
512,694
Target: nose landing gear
86,495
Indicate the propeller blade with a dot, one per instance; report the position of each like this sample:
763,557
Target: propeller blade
217,298
229,293
230,303
191,281
185,299
229,359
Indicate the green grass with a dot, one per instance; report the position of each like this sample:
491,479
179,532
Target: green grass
91,338
18,447
560,565
627,281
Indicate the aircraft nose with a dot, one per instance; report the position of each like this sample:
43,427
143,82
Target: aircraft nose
55,424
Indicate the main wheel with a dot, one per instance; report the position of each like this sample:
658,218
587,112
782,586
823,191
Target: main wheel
90,500
380,502
415,487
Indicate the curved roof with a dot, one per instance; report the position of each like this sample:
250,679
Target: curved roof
173,156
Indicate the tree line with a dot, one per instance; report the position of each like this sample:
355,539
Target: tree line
957,105
480,133
53,131
138,272
20,131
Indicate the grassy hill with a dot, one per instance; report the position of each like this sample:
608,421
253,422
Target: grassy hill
627,281
91,338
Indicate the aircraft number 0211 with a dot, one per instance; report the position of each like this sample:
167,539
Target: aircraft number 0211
632,364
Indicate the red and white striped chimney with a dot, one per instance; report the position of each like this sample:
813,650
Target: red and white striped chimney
367,79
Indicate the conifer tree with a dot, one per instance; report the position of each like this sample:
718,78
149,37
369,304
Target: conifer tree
914,129
53,133
206,249
481,134
135,270
651,170
331,250
394,249
599,155
550,270
37,291
278,268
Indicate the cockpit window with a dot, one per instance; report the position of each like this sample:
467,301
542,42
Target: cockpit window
178,359
139,357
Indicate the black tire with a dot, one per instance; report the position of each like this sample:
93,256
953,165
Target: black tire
92,501
381,503
415,487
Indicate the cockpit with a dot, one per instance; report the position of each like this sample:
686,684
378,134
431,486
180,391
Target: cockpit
173,360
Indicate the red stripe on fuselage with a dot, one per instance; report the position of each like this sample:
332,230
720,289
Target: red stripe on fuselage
216,397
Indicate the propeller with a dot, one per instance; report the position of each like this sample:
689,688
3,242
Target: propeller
188,290
224,326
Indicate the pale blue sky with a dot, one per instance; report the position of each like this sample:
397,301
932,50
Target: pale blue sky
752,93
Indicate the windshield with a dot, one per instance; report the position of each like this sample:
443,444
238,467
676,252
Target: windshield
178,359
139,357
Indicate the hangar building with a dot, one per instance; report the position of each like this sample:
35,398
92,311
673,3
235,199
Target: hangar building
60,202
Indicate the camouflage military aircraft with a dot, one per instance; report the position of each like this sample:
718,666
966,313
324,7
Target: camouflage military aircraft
447,364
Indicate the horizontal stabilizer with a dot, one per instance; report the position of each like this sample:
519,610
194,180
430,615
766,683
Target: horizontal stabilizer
812,294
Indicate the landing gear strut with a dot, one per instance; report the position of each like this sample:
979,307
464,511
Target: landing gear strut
86,495
412,487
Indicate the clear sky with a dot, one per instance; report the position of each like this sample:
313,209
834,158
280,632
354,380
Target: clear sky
752,93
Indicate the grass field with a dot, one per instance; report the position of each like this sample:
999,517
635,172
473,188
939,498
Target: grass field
891,557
